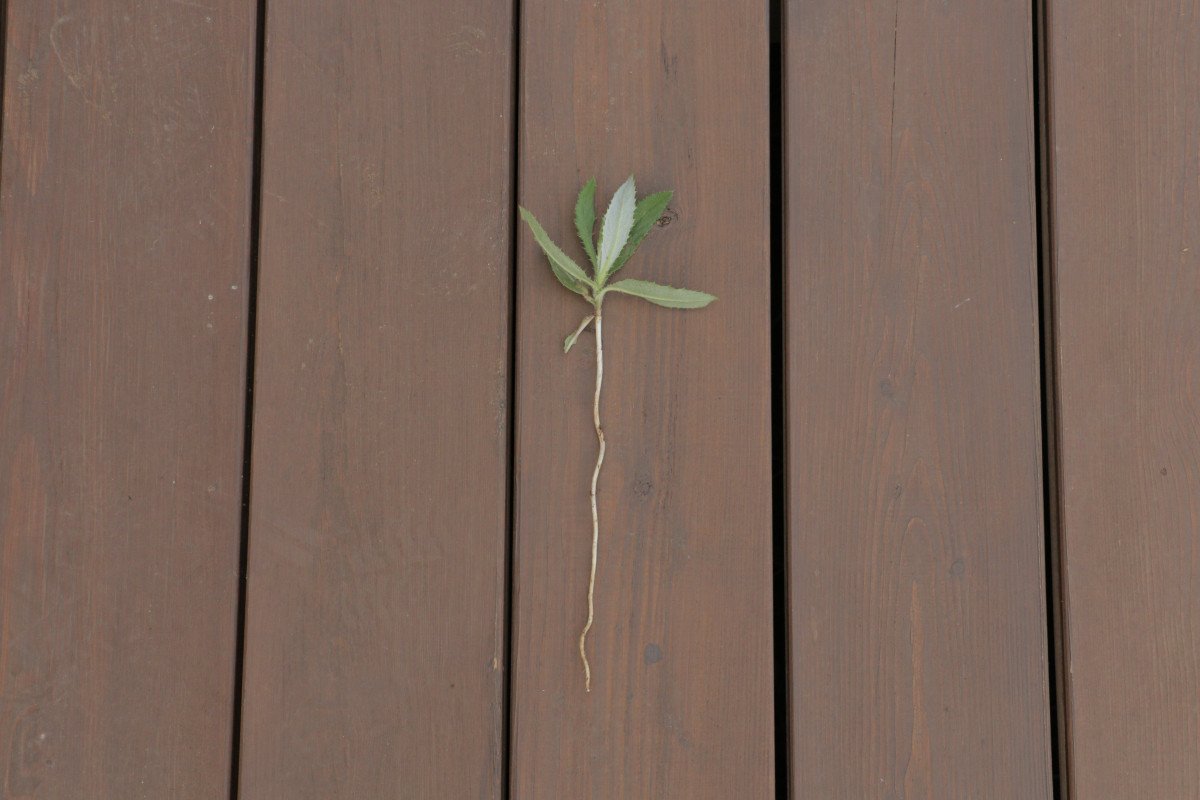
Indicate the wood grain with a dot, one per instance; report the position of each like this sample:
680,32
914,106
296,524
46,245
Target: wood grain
375,629
1125,127
917,600
681,700
124,239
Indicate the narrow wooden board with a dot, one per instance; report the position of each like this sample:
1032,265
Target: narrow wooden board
681,702
1125,128
917,599
375,631
124,251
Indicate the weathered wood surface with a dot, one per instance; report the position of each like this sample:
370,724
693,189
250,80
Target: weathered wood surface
124,251
917,598
681,700
375,631
375,649
1125,182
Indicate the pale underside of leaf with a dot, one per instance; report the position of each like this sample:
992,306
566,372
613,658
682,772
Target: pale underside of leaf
569,273
618,221
569,342
667,296
648,211
585,218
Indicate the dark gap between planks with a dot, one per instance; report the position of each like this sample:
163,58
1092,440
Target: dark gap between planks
506,734
248,409
1049,411
779,438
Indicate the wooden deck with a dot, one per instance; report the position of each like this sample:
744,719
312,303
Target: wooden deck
293,470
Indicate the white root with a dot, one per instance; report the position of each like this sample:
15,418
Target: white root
587,670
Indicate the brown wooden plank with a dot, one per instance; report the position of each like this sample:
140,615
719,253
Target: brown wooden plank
1125,127
681,700
917,601
124,237
374,654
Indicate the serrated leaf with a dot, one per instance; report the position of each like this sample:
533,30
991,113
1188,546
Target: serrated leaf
585,218
569,342
648,210
567,271
661,295
618,221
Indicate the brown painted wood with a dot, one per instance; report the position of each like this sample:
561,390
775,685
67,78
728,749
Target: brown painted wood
124,239
1125,127
681,701
375,629
917,600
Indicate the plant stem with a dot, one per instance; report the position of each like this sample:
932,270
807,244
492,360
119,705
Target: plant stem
587,670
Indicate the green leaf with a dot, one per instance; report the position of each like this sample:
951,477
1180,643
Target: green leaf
649,209
618,221
567,271
569,342
585,218
661,295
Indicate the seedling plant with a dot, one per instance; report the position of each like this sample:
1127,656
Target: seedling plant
626,223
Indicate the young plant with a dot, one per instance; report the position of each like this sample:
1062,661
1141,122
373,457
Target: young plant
625,225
